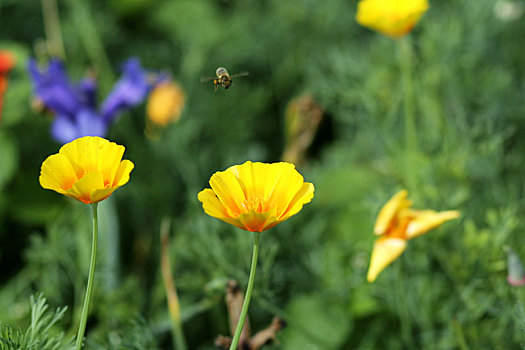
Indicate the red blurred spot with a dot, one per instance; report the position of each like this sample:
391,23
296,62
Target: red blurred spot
7,62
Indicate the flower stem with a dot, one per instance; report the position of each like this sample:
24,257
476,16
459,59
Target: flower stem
169,285
402,308
405,56
55,45
89,36
248,294
89,289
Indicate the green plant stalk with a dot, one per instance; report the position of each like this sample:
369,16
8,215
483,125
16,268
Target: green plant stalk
91,278
405,56
55,45
169,285
248,294
179,335
460,336
90,38
402,307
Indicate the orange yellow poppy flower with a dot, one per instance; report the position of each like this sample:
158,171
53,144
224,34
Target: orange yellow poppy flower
165,103
396,224
88,169
394,18
256,196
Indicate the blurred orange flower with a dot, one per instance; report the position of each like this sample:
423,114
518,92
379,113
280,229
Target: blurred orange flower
394,18
87,169
256,196
7,62
165,103
396,224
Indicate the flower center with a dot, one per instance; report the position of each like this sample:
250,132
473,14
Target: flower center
258,205
398,227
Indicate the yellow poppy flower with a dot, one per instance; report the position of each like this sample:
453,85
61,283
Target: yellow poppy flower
165,103
256,196
87,169
396,224
394,18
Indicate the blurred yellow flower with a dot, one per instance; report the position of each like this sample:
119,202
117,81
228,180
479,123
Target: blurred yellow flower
87,169
256,196
396,224
165,103
394,18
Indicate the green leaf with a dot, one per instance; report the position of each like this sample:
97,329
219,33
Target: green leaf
318,323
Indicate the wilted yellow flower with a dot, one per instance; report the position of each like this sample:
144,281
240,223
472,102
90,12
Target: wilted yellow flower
256,196
394,18
165,103
87,169
302,119
396,224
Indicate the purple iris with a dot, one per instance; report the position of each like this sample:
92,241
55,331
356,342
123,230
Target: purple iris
75,105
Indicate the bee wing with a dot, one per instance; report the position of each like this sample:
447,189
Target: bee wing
205,79
241,74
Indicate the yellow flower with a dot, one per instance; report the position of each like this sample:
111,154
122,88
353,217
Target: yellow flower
87,169
396,224
394,18
165,103
256,196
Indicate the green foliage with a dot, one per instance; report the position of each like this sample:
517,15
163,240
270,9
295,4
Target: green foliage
448,290
41,333
327,331
135,335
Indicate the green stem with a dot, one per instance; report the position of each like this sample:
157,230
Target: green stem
89,289
460,336
405,56
55,45
90,38
248,294
402,308
179,336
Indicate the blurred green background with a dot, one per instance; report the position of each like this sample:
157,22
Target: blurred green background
449,289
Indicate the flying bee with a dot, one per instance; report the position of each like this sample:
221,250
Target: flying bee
223,78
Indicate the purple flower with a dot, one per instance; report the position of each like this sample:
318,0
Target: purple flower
129,91
75,106
85,123
55,89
